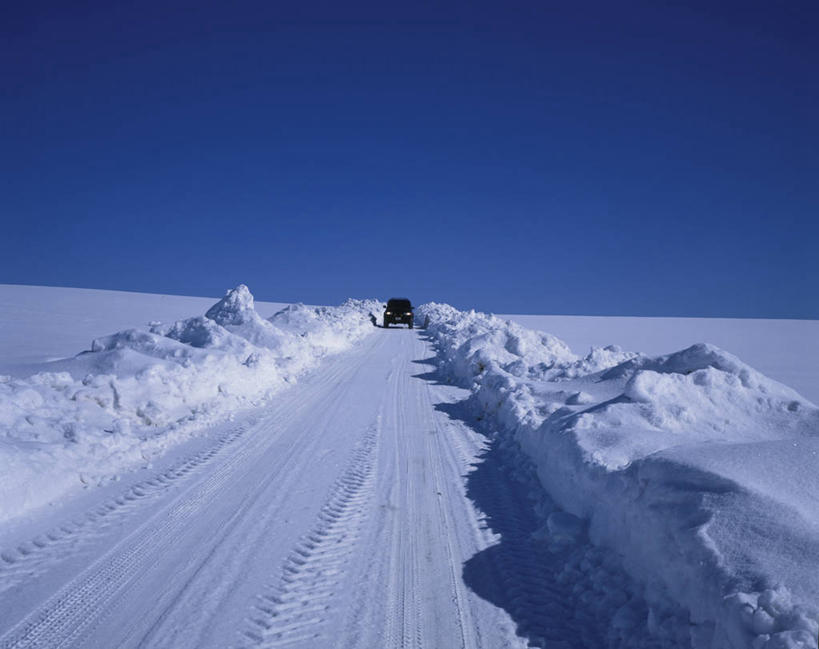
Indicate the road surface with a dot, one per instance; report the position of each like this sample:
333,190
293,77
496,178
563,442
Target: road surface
358,510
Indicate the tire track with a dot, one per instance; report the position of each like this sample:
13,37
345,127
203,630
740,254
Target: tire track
443,489
403,624
414,626
29,558
292,612
412,595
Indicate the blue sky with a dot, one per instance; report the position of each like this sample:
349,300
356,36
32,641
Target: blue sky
635,158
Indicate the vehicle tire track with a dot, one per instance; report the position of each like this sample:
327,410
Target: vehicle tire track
25,561
403,625
293,610
447,531
414,625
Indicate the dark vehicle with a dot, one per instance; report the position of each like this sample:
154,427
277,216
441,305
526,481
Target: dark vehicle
398,311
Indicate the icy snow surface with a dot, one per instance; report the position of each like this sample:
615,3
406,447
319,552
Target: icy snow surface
81,420
696,469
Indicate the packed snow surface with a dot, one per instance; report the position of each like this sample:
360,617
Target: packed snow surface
695,469
81,420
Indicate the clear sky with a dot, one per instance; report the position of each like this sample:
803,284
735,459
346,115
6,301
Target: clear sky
616,158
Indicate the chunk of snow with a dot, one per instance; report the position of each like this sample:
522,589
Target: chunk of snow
236,308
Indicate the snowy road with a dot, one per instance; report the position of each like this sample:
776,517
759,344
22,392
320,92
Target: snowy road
343,515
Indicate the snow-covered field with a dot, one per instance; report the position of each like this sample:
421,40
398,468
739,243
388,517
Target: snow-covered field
222,473
785,350
45,323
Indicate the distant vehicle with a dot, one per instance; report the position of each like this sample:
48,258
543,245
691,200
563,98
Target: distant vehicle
398,311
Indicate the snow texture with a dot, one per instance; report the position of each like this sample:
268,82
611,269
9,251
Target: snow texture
784,350
81,421
39,324
693,470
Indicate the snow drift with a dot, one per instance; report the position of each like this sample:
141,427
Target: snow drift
697,471
137,392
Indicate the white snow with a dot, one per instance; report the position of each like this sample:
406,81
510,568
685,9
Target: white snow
81,420
698,471
45,323
335,515
677,472
785,350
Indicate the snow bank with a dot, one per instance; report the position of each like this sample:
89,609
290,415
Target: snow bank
695,469
138,391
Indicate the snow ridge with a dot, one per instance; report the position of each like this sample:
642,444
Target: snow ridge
693,471
137,392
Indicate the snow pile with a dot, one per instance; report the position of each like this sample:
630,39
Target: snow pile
141,390
695,469
477,341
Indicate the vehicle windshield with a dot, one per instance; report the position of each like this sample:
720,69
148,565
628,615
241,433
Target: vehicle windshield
399,305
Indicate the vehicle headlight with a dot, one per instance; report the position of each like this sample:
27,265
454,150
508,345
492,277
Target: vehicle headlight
388,313
408,313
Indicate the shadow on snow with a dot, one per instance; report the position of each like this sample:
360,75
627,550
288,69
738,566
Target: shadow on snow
519,573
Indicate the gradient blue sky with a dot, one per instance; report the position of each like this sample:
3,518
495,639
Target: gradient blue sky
636,158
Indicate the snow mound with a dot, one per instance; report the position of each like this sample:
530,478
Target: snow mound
322,324
478,341
139,391
694,469
236,308
235,313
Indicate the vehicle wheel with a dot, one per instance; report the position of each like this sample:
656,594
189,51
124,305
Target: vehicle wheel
410,325
386,325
